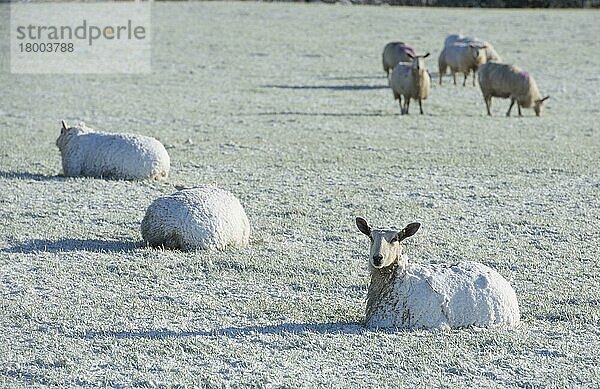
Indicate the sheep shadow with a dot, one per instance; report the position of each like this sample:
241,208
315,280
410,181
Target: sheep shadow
354,78
69,244
30,176
332,114
355,87
235,332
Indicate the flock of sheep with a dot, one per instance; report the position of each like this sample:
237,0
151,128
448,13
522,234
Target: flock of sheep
410,78
400,294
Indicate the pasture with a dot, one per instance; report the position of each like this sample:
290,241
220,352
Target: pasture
287,106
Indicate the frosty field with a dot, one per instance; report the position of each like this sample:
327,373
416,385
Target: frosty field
287,106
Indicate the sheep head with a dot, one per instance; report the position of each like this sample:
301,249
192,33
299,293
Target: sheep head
385,243
479,53
539,105
418,63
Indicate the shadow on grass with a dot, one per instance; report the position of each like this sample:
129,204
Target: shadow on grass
356,87
235,332
334,114
30,176
61,245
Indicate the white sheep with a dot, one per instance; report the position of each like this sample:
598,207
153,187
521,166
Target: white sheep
444,296
395,52
411,80
508,81
203,217
490,52
461,58
86,152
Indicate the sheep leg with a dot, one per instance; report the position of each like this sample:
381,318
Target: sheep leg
465,80
488,105
401,107
519,108
453,76
474,78
512,102
406,104
420,107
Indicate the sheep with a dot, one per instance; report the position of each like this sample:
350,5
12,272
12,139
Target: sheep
461,57
490,52
395,52
403,295
411,80
508,81
204,217
89,153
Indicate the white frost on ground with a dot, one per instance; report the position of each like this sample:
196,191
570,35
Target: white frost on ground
301,125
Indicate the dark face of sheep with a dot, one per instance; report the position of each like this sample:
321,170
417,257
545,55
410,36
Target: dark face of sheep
539,105
385,243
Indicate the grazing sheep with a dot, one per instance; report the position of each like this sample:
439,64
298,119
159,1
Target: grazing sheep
442,296
411,80
395,52
508,81
85,152
461,58
204,218
490,52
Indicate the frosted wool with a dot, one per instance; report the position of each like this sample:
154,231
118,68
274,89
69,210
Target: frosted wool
441,296
90,153
395,52
509,81
490,52
204,218
411,81
461,58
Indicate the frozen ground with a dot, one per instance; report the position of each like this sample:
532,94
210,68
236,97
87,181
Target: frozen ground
286,105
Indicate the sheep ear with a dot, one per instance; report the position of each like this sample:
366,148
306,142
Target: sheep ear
408,231
426,55
363,226
64,126
545,98
410,55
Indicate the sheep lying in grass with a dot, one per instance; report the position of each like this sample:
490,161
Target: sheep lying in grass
508,81
412,81
395,52
461,58
490,52
85,152
204,217
444,296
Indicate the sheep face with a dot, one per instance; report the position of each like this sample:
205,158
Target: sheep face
385,243
479,54
65,134
418,64
539,105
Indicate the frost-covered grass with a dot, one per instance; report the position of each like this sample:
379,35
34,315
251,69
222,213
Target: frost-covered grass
286,106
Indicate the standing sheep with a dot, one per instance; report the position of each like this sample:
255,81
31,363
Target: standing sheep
85,152
442,296
508,81
412,81
490,52
395,52
204,218
461,58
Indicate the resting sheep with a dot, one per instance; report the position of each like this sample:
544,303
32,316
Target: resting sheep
395,52
412,81
204,218
85,152
461,58
490,52
444,296
508,81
